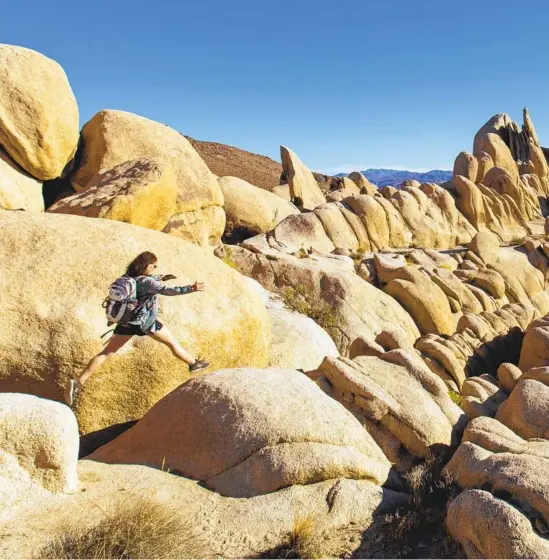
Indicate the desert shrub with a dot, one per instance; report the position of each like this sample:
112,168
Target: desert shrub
137,527
419,530
301,300
456,397
301,542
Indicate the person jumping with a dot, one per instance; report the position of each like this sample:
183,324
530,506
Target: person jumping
143,321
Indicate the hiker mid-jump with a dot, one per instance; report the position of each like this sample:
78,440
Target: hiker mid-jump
133,305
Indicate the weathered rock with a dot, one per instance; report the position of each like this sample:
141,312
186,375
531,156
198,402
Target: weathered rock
508,376
346,188
482,342
535,348
18,191
387,191
41,438
213,525
492,456
486,209
246,432
526,411
251,210
297,342
304,189
497,149
202,227
228,324
488,527
398,399
365,186
340,299
410,183
114,137
432,314
302,231
140,192
282,191
38,112
467,166
523,283
481,396
387,266
485,163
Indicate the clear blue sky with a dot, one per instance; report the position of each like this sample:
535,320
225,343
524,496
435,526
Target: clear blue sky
345,83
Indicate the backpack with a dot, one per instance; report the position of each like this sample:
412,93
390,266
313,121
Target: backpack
121,304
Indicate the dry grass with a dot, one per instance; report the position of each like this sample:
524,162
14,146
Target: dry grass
419,530
137,527
302,542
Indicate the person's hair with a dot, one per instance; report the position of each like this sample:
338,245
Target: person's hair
139,265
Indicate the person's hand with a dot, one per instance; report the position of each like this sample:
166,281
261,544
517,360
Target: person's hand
198,287
168,277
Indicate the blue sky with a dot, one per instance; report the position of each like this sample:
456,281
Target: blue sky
346,84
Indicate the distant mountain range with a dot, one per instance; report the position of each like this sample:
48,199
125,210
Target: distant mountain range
383,177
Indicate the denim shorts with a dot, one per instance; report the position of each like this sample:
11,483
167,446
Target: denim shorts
135,330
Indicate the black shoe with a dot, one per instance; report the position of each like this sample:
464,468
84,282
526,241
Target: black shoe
198,365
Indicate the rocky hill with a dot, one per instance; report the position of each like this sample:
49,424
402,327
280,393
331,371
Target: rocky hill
261,171
379,358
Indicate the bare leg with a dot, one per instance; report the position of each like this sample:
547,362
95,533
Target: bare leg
114,344
166,337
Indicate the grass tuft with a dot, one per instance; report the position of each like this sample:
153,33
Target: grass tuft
140,528
456,397
299,299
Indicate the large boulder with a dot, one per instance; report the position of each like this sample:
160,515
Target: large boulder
65,265
38,112
18,190
482,396
535,348
361,181
140,192
114,137
39,437
399,400
245,432
526,411
493,457
304,189
488,527
298,342
251,210
466,165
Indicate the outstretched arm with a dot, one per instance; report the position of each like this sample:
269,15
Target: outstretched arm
152,285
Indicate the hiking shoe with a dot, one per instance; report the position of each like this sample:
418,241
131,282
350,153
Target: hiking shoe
72,391
198,365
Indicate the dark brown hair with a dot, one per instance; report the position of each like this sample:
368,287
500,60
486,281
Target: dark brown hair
138,266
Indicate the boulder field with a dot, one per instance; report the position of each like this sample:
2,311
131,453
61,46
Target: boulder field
379,358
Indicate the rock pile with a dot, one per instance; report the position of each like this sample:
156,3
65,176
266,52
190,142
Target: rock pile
358,336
